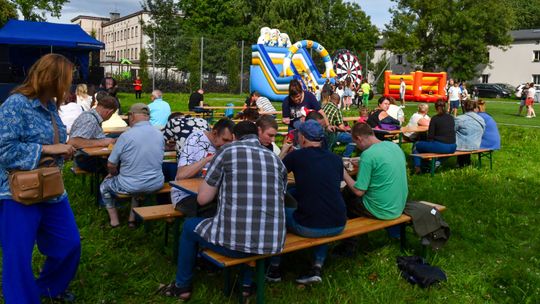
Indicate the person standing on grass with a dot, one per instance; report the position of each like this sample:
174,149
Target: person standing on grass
366,88
523,91
347,94
295,102
454,98
135,162
441,137
402,90
159,109
250,218
31,130
529,102
137,86
321,211
380,190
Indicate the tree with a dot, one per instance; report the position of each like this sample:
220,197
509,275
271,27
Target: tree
28,8
165,25
450,35
526,12
193,65
143,71
7,11
233,68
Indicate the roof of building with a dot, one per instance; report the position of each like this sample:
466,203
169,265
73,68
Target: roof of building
90,18
125,17
530,34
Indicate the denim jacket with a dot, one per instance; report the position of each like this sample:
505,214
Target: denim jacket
469,130
25,125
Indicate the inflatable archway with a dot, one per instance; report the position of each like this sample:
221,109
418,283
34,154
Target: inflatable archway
308,44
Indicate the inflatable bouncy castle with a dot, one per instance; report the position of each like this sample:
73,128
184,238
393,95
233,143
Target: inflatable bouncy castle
275,62
420,86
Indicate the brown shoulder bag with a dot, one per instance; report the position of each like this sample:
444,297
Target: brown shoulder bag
29,187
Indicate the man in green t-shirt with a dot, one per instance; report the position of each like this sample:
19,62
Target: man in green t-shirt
380,190
366,88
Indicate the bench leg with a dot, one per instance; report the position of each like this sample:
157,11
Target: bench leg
227,281
490,160
403,237
176,242
432,166
480,160
260,281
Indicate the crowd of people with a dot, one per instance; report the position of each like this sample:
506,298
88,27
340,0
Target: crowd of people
244,205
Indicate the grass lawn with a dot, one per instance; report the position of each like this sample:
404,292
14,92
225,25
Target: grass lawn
492,255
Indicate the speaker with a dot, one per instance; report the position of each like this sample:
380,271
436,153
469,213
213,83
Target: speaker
95,74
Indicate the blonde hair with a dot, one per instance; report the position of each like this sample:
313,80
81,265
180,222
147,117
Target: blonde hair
82,90
481,105
423,108
52,72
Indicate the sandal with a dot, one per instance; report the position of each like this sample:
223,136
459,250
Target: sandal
171,290
248,291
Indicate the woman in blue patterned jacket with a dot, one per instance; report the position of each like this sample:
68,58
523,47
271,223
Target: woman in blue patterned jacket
26,135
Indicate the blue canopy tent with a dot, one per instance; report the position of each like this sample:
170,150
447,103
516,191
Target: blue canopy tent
27,41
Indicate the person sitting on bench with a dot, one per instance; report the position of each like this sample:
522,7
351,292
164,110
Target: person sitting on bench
195,156
380,190
251,181
87,132
441,137
135,162
469,130
321,210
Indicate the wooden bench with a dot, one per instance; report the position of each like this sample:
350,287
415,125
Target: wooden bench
293,242
94,180
433,157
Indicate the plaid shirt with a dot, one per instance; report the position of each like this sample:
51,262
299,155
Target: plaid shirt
333,113
252,182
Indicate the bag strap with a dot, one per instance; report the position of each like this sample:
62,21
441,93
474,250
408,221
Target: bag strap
55,127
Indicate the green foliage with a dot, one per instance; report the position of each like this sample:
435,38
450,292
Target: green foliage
28,8
143,71
526,12
448,35
233,68
165,25
7,11
193,65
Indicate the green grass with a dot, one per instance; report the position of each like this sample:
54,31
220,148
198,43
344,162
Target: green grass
491,257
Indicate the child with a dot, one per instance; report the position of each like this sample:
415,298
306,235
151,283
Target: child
347,94
364,114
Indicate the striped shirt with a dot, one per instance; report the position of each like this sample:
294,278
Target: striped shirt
265,105
252,182
88,126
333,114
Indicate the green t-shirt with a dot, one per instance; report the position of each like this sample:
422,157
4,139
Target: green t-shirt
365,88
382,175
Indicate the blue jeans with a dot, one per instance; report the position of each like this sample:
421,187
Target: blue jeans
346,138
431,147
320,251
52,227
190,242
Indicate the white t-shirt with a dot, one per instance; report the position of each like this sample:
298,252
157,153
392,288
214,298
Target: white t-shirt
68,113
84,102
196,147
453,93
402,88
531,92
414,123
396,112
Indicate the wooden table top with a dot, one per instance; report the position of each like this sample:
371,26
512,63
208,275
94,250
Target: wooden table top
106,151
220,107
115,130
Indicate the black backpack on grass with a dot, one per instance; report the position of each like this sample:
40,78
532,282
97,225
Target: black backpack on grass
417,271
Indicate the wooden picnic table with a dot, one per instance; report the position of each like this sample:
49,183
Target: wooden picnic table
115,130
106,151
399,133
351,118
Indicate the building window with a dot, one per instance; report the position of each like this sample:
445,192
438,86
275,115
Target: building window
485,78
536,78
136,53
536,56
399,59
136,31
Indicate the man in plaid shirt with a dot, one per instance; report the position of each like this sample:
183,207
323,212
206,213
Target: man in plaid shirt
250,182
336,125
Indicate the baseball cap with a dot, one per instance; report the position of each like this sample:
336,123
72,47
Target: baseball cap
139,108
305,111
311,130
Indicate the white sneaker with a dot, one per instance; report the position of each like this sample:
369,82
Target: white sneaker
528,116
